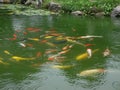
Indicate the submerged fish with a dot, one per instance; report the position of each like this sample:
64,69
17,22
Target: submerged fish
7,52
4,63
65,47
85,55
48,37
106,52
51,44
17,58
21,44
32,29
91,36
91,72
34,39
74,41
63,52
38,54
62,66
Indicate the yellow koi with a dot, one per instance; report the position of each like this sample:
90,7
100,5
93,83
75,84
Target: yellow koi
60,38
34,39
91,72
47,37
85,55
62,66
17,58
50,44
4,63
74,41
7,52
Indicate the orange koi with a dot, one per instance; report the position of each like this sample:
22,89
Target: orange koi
50,51
29,45
43,41
14,35
33,29
25,33
66,47
89,45
29,29
55,34
38,54
51,58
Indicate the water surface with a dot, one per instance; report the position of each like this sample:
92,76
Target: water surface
39,74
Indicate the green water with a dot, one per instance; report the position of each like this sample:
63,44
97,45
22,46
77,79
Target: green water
39,74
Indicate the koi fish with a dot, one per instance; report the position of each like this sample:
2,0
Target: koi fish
60,38
106,52
17,58
62,66
50,44
85,55
4,63
90,36
21,44
63,52
87,45
53,57
29,44
50,51
89,51
34,39
55,34
57,56
33,29
74,41
47,37
67,47
38,54
25,33
91,72
43,41
7,52
14,35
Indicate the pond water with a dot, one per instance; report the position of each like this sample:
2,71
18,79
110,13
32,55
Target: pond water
39,53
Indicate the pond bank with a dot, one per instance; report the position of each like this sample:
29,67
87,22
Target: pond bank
79,8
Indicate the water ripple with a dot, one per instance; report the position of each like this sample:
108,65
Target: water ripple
116,85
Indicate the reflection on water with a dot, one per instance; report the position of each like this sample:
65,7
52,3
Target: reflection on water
34,50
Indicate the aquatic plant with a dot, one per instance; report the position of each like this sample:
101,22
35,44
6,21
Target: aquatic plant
18,9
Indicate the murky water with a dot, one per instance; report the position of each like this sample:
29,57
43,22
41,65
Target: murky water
32,58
